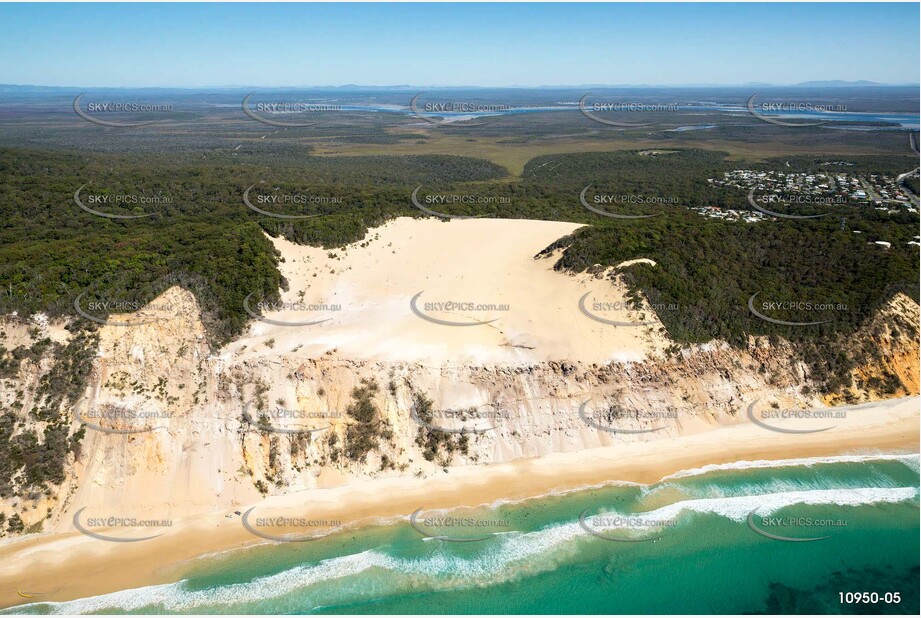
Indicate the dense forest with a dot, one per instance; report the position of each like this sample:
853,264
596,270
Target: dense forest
199,233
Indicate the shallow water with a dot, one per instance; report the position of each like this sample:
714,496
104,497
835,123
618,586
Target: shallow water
687,544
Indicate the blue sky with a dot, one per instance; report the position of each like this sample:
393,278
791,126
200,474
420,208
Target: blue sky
200,45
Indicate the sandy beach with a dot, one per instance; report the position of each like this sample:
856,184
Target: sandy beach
376,301
70,565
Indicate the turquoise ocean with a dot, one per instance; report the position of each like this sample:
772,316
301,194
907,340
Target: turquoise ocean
730,538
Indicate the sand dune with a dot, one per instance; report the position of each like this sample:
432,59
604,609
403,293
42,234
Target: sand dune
512,308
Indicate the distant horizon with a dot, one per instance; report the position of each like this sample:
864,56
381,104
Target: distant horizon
809,83
492,45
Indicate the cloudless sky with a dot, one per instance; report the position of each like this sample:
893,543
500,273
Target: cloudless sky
189,45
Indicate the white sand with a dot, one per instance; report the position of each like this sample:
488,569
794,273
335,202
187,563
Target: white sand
467,261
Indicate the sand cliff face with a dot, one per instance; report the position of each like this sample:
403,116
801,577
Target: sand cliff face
202,454
175,428
894,330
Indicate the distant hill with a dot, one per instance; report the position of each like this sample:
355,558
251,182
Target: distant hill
29,88
836,83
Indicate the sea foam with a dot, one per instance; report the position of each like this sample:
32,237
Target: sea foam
911,461
513,555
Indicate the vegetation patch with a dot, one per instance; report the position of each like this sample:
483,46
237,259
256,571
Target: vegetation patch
437,446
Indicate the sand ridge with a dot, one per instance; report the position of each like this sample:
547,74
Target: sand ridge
509,307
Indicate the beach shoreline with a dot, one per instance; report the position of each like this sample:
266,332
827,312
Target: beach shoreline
66,566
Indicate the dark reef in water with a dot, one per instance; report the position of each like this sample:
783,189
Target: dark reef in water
824,598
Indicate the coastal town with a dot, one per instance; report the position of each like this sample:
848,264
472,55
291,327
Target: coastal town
880,191
731,214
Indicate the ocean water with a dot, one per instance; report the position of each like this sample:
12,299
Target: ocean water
905,121
693,127
687,544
